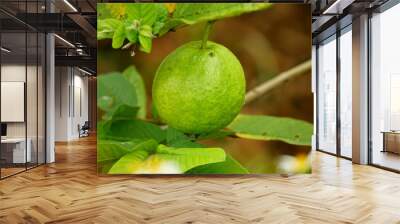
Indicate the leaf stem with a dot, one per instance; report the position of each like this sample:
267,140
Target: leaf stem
206,33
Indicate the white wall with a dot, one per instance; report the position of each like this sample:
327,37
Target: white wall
14,73
13,101
71,94
80,110
62,81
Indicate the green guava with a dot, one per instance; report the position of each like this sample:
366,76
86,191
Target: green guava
199,90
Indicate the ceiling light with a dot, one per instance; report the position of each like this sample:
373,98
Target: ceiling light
80,51
70,5
65,41
84,71
337,7
5,50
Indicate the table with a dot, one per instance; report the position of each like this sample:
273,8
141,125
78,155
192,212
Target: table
16,147
391,141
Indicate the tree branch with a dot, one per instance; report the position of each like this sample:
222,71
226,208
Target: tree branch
279,79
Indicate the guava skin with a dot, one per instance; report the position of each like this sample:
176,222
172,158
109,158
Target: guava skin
199,90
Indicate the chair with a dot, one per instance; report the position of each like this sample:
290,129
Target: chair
84,130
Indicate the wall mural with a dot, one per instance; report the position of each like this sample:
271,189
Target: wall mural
204,88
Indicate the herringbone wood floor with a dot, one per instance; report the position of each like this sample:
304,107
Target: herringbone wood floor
70,191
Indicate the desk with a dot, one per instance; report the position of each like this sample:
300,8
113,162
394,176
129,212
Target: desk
13,150
391,141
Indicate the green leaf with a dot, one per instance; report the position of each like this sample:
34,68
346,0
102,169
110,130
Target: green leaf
112,150
145,38
188,158
109,152
145,30
114,10
229,166
145,43
104,167
118,37
131,30
113,91
178,139
260,127
136,80
103,12
174,135
102,129
191,13
125,112
138,22
216,134
157,27
146,13
154,113
166,160
130,161
135,129
137,17
106,28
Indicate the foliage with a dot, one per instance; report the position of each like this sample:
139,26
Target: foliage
127,142
111,150
133,76
229,166
259,127
139,23
110,98
148,158
192,13
121,95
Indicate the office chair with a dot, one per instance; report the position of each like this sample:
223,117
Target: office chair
84,130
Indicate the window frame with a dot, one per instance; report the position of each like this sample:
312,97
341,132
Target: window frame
336,35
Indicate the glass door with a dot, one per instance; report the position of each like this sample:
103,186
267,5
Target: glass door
326,63
22,78
14,144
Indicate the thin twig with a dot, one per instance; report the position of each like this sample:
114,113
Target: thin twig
126,46
279,79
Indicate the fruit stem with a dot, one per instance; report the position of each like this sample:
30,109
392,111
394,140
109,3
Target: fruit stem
206,33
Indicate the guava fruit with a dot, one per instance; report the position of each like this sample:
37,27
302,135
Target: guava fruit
199,90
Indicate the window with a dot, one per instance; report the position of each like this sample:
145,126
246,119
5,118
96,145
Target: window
346,92
327,95
385,88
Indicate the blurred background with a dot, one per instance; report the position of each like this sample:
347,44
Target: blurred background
267,43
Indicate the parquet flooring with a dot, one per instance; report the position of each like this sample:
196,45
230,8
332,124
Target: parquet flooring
70,191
